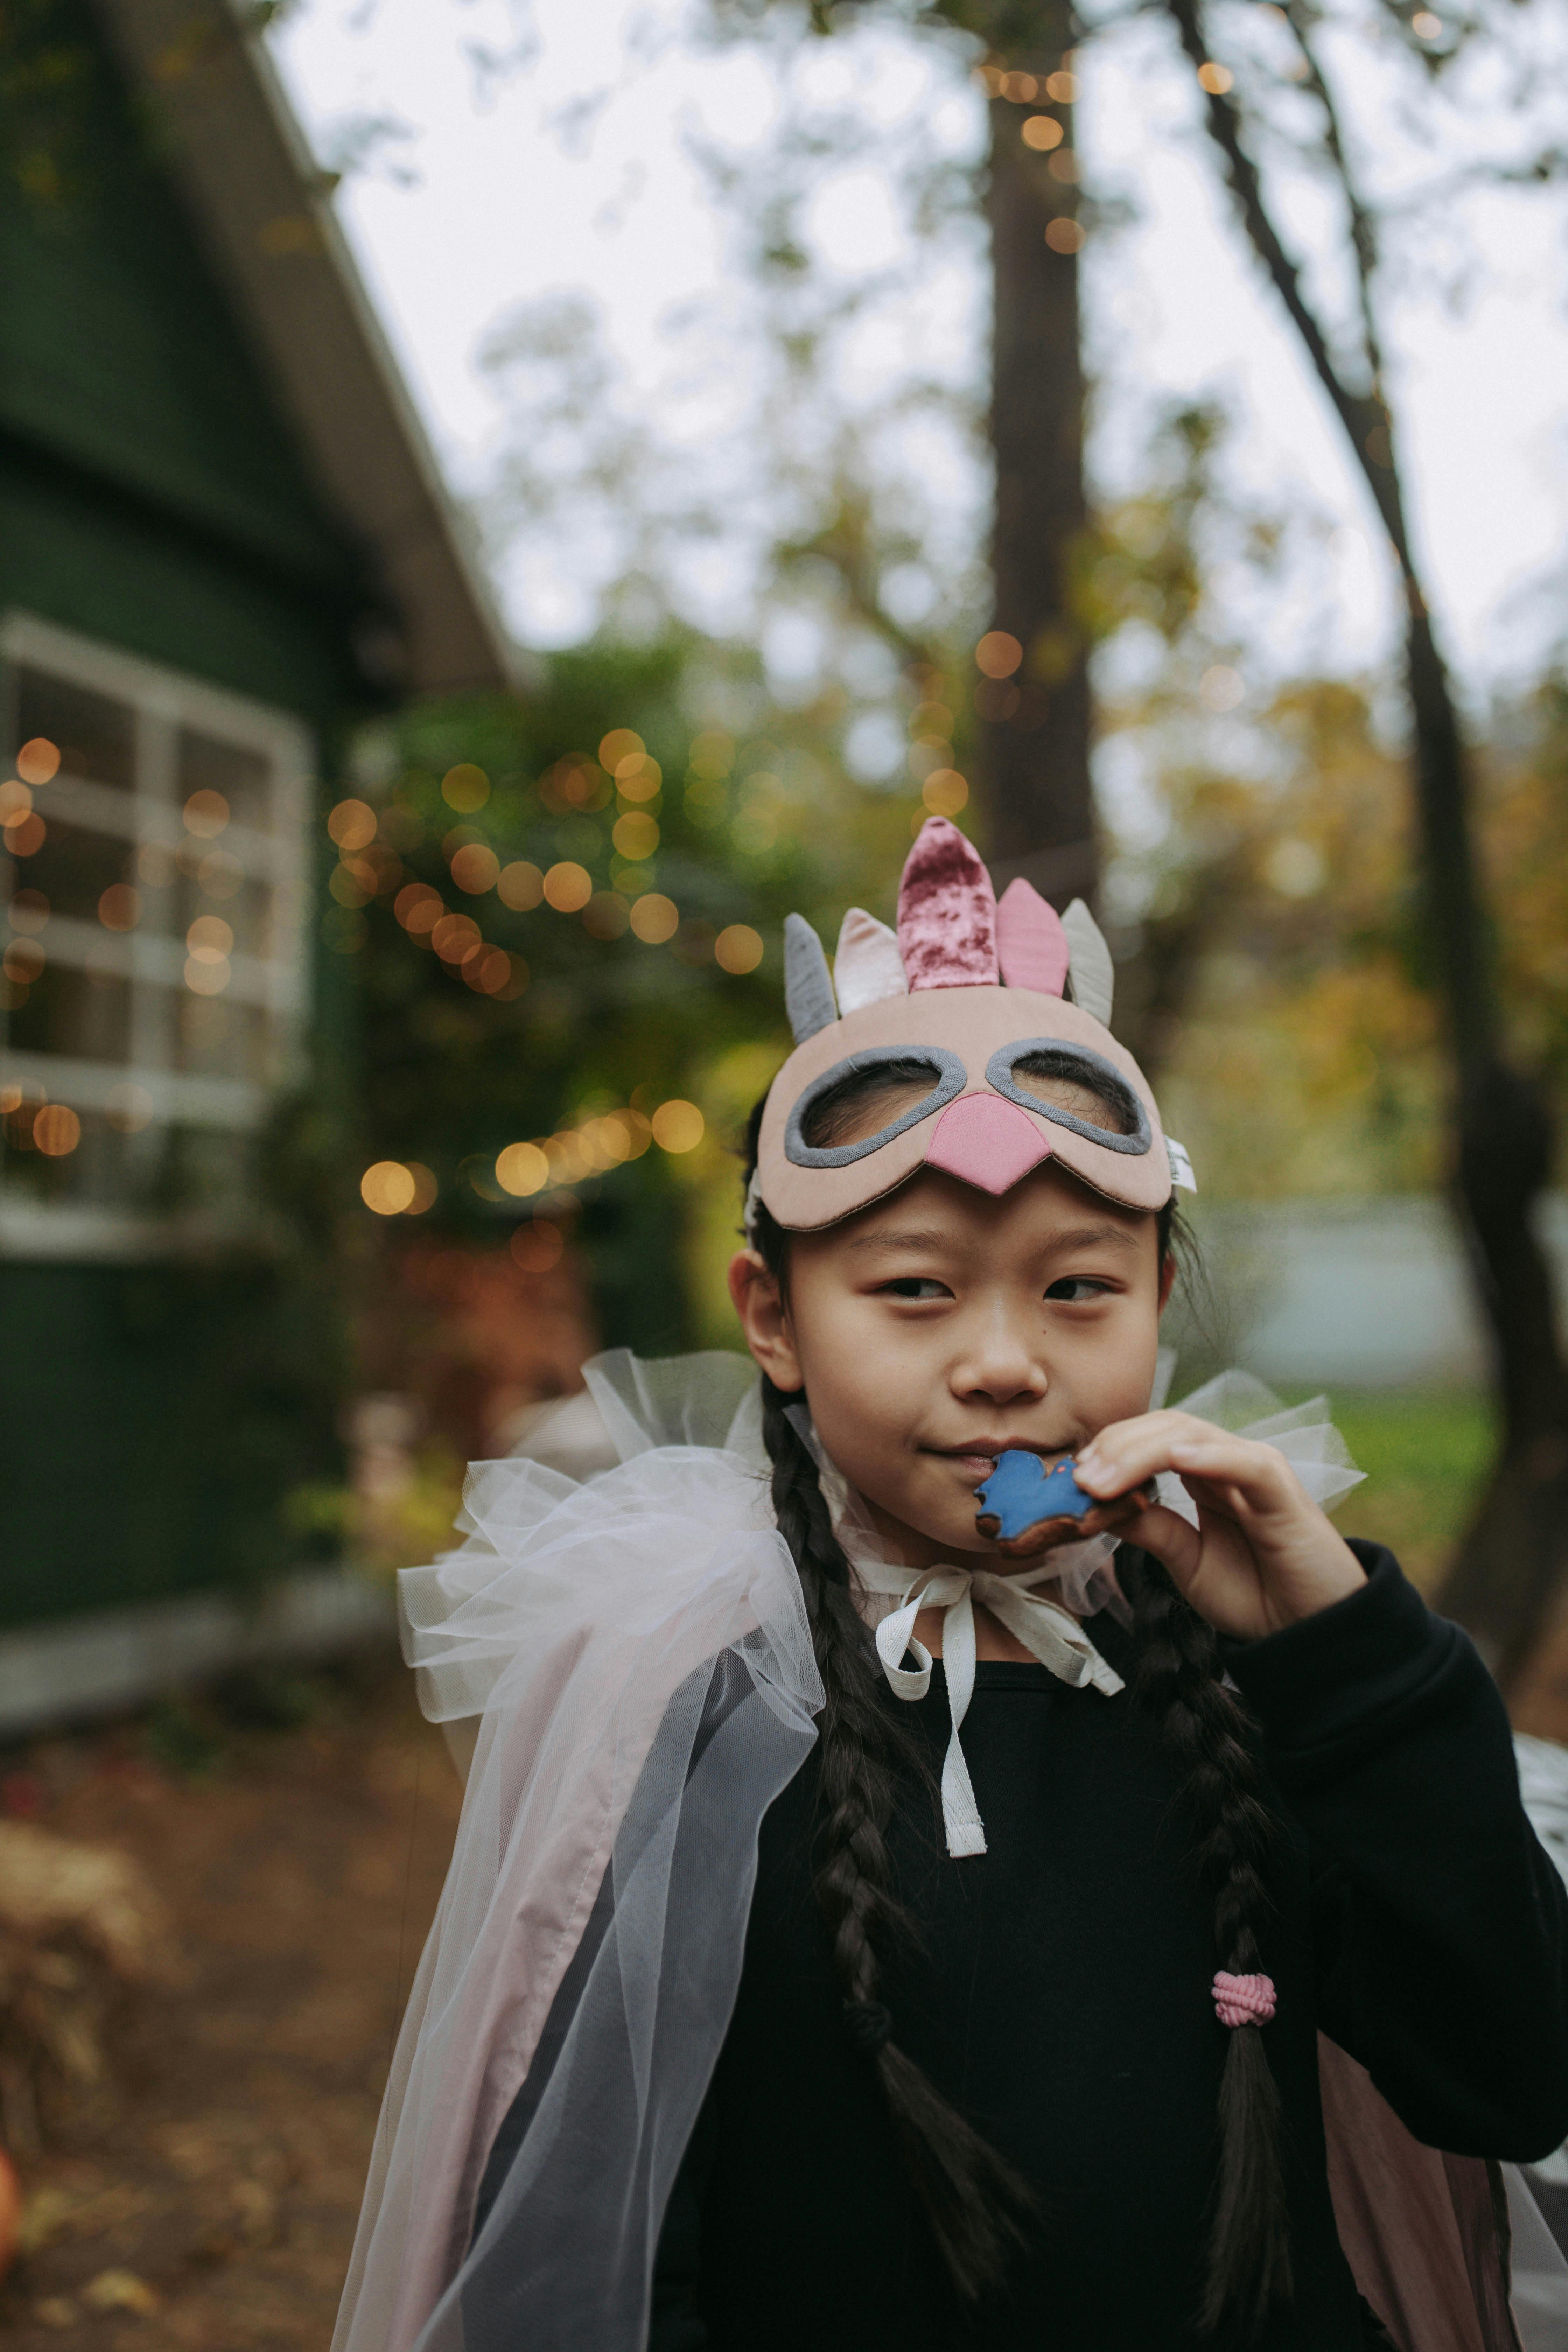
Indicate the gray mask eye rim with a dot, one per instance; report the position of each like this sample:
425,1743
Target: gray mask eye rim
999,1075
953,1077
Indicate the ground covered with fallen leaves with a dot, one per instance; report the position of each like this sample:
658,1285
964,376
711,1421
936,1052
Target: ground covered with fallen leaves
204,2199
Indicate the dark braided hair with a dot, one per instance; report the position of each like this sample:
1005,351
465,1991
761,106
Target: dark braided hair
977,2204
1208,1732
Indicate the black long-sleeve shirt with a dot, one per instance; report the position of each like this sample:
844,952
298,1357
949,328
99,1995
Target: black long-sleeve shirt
1060,1995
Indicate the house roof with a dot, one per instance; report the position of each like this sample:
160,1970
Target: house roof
263,209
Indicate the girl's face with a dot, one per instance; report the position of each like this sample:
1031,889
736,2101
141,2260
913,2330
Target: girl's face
940,1326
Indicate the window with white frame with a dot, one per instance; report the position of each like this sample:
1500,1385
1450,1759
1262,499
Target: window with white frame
153,974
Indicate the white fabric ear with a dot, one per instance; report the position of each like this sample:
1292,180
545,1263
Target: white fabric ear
868,967
1091,975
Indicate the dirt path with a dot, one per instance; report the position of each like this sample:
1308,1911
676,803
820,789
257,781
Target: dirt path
212,2208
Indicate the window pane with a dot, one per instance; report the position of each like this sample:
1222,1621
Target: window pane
222,1039
95,736
86,1015
73,869
216,884
242,778
102,1168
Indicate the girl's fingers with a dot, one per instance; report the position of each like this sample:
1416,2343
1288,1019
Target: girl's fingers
1129,1451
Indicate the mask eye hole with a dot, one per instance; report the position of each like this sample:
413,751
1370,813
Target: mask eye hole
863,1102
1074,1088
1061,1080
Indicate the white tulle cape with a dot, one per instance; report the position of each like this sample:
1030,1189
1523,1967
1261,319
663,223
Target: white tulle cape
637,1649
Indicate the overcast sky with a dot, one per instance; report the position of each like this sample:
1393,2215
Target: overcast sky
520,156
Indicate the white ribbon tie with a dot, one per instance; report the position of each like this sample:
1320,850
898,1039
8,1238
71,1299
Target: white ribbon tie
1046,1629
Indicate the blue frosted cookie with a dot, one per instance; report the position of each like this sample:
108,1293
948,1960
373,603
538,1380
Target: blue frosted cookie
1025,1509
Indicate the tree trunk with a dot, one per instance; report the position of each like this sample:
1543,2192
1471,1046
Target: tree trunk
1512,1566
1034,732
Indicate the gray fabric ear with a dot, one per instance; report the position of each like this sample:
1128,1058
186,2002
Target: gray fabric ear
1091,975
808,989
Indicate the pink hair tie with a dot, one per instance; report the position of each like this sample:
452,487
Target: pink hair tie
1243,2001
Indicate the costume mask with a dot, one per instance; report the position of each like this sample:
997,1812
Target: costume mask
985,995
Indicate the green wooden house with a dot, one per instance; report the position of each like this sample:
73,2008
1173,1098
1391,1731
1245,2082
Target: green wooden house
223,542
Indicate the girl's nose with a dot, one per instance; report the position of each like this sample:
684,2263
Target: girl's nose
999,1362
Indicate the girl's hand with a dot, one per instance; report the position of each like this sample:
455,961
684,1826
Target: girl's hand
1262,1555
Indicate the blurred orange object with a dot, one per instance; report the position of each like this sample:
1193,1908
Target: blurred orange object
10,2212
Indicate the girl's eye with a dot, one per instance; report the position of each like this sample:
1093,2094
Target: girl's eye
916,1285
1074,1289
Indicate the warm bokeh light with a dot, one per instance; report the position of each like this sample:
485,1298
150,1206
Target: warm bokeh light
1064,166
606,915
712,753
488,971
453,937
206,813
636,834
22,961
15,801
129,1109
25,836
475,868
352,825
638,778
537,1246
38,761
737,949
997,654
655,918
120,908
388,1188
56,1130
619,744
28,910
521,1169
206,979
1042,132
1217,79
209,940
522,886
425,1189
568,887
1021,88
1062,87
678,1126
944,791
1065,235
465,787
418,908
1425,25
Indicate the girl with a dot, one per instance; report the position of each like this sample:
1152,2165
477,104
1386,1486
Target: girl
858,1938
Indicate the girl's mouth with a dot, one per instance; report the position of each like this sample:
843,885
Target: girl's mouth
975,1457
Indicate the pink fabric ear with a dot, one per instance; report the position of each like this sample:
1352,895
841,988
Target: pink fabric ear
947,912
1031,945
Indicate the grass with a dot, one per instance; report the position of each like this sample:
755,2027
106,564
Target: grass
1425,1453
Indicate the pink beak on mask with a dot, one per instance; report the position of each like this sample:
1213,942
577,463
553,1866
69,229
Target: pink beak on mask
987,1141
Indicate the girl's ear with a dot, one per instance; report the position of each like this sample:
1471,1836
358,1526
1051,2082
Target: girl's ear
764,1320
1167,1281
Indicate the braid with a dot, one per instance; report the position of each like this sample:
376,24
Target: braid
1179,1680
973,2200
